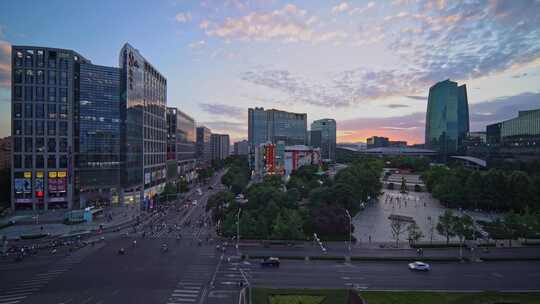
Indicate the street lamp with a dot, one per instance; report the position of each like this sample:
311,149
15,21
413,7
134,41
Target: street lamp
350,228
238,227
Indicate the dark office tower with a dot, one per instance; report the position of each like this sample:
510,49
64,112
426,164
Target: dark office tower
220,144
257,126
45,93
447,117
144,148
97,136
204,147
327,143
180,144
291,128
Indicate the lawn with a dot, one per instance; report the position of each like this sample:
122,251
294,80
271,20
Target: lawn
299,296
373,297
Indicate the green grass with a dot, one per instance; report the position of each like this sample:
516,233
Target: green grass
295,299
328,296
373,297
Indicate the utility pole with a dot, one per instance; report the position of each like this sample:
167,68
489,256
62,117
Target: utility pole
350,229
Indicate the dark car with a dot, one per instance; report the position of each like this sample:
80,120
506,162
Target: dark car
270,262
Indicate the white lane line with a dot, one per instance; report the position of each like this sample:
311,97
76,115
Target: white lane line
12,302
12,298
177,295
186,291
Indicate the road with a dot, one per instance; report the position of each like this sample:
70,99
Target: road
188,273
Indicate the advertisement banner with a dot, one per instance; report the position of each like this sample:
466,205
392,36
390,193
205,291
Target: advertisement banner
19,185
39,187
61,184
52,185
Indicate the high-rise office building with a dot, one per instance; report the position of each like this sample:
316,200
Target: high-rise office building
327,143
181,143
241,147
84,133
144,93
377,142
45,94
447,117
203,146
97,135
220,144
275,125
5,153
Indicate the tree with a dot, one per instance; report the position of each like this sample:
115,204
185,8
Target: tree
397,227
288,226
445,226
473,189
183,186
414,232
463,228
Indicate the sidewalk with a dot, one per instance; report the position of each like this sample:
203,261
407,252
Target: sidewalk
52,223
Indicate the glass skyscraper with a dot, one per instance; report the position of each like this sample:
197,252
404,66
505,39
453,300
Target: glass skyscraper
447,117
327,143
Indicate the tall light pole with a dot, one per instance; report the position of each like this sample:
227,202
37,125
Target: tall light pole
238,228
350,229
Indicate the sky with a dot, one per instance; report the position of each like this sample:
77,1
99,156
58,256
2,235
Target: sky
367,64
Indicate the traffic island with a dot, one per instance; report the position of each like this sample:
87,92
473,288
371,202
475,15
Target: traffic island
417,297
305,296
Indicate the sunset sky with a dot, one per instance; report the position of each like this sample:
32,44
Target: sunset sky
367,64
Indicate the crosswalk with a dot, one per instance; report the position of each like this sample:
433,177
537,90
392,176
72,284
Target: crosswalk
193,285
20,291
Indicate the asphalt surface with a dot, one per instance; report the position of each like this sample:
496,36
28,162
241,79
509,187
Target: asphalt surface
193,270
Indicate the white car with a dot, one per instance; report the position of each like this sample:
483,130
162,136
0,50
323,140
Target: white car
419,266
194,202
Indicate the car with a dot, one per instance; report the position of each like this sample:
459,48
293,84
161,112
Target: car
270,262
234,258
210,188
194,203
419,266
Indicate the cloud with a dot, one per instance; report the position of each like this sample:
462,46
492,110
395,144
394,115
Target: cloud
183,17
343,6
197,44
396,105
236,130
204,24
5,64
361,10
223,110
288,24
519,75
416,97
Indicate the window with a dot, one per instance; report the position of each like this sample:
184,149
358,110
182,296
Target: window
28,127
40,58
63,78
40,161
52,60
40,144
28,161
51,145
40,127
28,145
17,161
28,93
29,58
51,128
29,77
62,111
63,95
40,77
51,95
40,110
17,127
17,144
51,162
28,113
40,93
64,64
51,111
18,76
19,59
51,76
17,94
63,128
63,161
17,110
62,145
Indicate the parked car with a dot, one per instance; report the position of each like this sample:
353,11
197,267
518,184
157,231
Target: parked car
234,258
270,262
419,266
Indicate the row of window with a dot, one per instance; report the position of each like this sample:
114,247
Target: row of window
29,110
38,145
37,127
153,159
38,94
38,77
27,161
29,58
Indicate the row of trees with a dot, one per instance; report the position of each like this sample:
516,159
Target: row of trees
238,174
309,202
496,190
